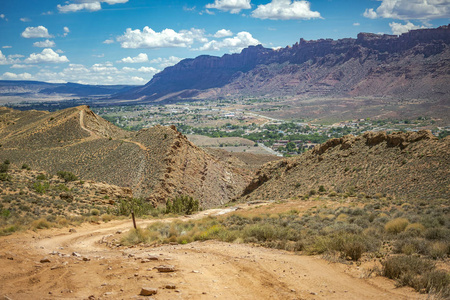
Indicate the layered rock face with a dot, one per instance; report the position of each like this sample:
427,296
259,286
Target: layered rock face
412,65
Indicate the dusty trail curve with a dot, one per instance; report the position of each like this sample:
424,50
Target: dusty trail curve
204,270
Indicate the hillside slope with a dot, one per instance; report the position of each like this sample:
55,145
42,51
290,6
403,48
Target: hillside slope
157,163
413,65
414,164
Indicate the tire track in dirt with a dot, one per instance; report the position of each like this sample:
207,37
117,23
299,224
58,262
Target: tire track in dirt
205,270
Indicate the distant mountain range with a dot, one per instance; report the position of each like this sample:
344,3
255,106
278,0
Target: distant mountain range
412,65
38,88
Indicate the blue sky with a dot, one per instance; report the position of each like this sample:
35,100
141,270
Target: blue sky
128,41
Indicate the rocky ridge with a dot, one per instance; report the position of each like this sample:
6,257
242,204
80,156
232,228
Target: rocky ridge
376,164
158,163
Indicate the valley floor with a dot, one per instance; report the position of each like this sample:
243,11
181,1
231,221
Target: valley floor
204,270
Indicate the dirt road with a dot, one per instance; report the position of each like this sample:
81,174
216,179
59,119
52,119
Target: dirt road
204,270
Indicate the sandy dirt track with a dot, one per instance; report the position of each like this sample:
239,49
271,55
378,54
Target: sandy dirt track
204,270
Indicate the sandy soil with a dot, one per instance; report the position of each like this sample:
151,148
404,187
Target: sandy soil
204,270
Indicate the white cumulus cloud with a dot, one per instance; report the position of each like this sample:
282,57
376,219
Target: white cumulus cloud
104,68
410,9
89,5
109,41
25,19
148,38
3,59
46,56
137,79
44,44
13,56
73,7
148,70
285,10
115,1
233,6
370,13
36,32
235,44
66,31
166,62
101,73
11,59
223,33
398,28
140,58
141,70
14,76
20,66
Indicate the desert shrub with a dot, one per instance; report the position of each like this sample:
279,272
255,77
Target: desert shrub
67,176
210,233
94,212
294,245
342,217
26,167
399,267
430,221
61,187
378,196
139,206
4,168
41,224
9,229
237,222
438,233
41,187
350,246
396,226
415,229
268,232
434,282
107,217
439,250
42,177
5,213
182,205
136,236
5,177
408,245
61,221
322,189
419,273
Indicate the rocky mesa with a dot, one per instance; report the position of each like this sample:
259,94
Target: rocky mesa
412,65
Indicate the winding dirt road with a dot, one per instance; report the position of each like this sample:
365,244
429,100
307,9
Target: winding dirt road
204,270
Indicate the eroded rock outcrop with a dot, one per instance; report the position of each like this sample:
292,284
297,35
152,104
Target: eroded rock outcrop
411,164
